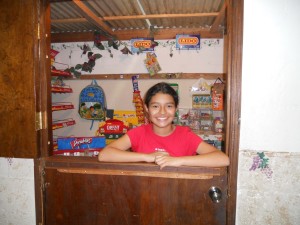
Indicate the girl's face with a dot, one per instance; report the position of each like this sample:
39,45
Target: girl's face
161,110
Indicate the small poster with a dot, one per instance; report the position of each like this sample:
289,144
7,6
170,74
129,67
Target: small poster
152,64
186,41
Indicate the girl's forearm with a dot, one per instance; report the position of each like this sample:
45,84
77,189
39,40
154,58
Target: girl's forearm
213,159
110,154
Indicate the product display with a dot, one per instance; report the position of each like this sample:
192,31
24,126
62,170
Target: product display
92,102
111,129
72,143
201,101
138,101
217,92
218,125
201,117
128,117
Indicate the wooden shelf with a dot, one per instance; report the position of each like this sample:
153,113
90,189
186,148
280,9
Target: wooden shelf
60,73
58,106
62,123
201,132
58,89
74,151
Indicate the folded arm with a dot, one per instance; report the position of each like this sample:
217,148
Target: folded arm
117,152
209,156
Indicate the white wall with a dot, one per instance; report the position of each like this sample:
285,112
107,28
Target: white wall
17,202
208,59
270,114
271,81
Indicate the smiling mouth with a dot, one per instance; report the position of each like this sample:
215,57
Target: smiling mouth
162,118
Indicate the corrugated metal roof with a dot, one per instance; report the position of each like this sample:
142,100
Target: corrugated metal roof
110,16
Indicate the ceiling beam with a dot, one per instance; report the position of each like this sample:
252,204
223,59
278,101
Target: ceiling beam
159,34
91,17
169,33
139,17
159,16
219,19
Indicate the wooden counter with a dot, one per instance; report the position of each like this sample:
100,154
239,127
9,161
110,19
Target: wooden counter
81,190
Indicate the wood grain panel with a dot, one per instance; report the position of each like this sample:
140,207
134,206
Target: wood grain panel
74,198
18,34
233,104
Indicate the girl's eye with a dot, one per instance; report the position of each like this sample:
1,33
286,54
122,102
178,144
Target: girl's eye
170,106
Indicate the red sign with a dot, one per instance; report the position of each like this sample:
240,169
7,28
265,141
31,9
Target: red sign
113,126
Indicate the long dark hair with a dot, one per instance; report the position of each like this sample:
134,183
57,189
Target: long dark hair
161,87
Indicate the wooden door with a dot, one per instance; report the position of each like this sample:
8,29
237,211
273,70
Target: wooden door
23,80
18,79
89,192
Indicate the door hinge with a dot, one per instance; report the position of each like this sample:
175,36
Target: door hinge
41,121
45,186
38,32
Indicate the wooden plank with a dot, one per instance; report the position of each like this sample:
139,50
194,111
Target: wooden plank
234,51
92,17
219,19
139,173
91,163
156,76
159,34
18,72
137,17
157,16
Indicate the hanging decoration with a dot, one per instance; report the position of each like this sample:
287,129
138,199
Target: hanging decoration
86,66
97,41
126,51
137,45
110,43
217,94
171,44
85,48
152,64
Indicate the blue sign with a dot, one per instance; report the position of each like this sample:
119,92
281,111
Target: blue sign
144,44
187,41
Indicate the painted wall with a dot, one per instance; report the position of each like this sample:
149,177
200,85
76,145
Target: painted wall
17,202
270,111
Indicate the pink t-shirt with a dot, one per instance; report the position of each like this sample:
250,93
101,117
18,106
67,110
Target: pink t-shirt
182,142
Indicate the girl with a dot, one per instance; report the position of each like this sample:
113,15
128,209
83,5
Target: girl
161,141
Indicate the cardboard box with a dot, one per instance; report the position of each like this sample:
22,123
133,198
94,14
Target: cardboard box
73,143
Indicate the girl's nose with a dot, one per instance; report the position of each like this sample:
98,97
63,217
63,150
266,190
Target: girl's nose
162,110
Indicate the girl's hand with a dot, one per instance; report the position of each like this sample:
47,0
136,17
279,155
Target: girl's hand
152,156
166,160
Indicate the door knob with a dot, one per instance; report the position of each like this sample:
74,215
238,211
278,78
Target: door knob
215,194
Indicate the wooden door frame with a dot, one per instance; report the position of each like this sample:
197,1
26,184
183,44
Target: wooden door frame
235,13
234,75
